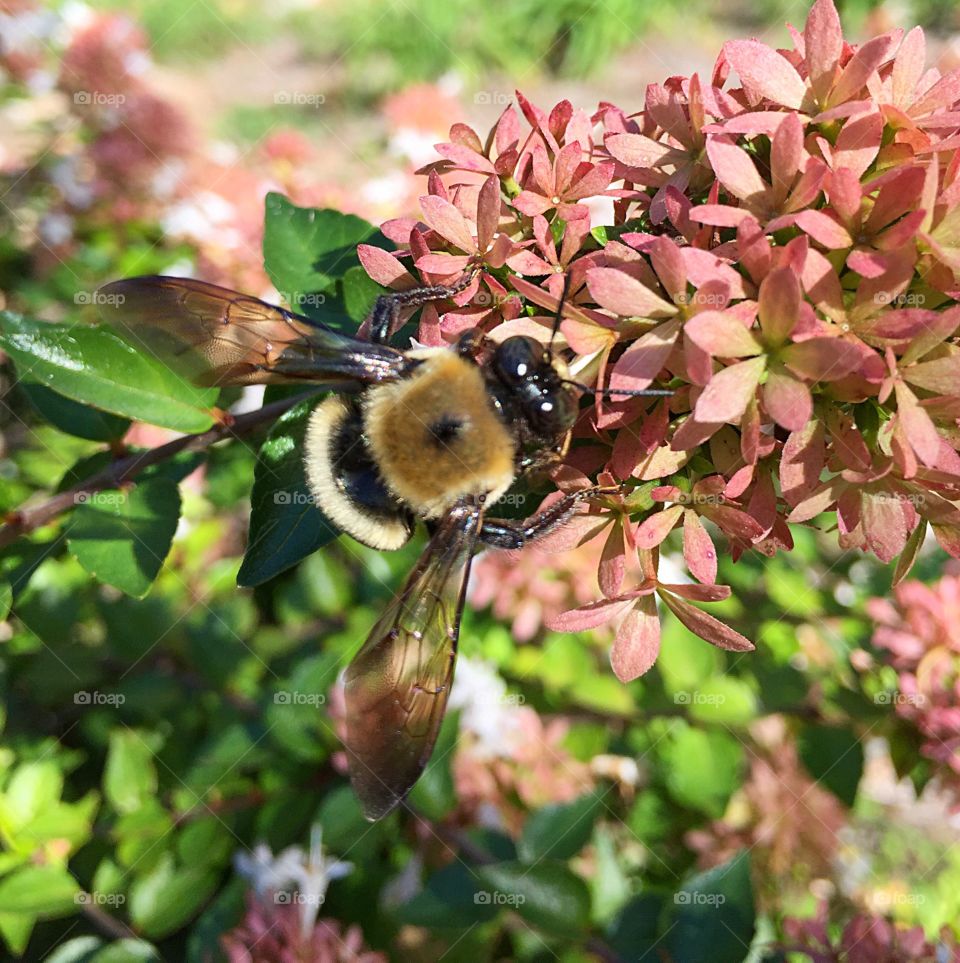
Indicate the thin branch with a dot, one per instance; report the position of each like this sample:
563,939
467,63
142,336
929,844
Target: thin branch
25,520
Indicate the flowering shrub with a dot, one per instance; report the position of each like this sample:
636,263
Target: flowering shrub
782,254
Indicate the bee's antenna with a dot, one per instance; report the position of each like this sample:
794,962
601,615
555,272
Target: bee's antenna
627,392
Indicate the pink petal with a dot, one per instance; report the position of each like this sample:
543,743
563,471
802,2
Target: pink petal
729,392
722,335
787,400
735,169
706,626
822,359
764,73
823,44
657,527
625,295
637,644
384,267
448,222
698,549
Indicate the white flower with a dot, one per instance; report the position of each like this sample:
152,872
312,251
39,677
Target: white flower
486,709
307,875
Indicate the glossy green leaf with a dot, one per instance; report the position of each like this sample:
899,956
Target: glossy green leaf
123,537
81,950
561,830
95,366
130,776
833,755
41,891
127,951
453,898
702,768
285,525
168,896
546,894
713,915
73,417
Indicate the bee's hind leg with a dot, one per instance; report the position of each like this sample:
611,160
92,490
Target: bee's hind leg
386,309
510,534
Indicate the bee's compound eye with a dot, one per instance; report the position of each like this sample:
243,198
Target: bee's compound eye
517,359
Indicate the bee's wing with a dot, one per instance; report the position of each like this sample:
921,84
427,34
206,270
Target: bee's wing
215,336
397,685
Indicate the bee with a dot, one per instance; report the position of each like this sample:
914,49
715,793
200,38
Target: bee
434,435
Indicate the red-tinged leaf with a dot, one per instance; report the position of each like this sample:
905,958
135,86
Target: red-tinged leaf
732,521
442,264
729,392
778,306
846,442
384,268
762,507
706,626
691,435
698,593
861,65
948,538
637,150
867,263
586,338
637,643
822,284
909,554
823,229
765,73
531,204
802,461
823,45
698,549
664,461
488,212
593,614
944,93
858,142
736,171
822,359
595,181
527,263
819,501
668,263
937,329
626,296
787,400
720,215
642,361
448,222
465,158
750,433
941,376
908,68
722,335
883,523
786,155
613,563
920,430
657,527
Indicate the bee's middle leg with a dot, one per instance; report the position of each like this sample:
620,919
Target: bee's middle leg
510,534
387,307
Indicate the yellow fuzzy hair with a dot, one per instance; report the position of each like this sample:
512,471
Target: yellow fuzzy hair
425,473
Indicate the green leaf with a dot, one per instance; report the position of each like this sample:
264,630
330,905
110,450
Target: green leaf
723,700
16,928
306,250
72,417
80,950
434,794
610,885
285,525
559,831
129,777
127,951
95,366
33,788
123,537
6,599
41,891
168,896
713,915
452,898
702,768
833,755
636,930
546,894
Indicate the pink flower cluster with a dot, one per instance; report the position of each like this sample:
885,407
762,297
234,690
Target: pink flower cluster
783,254
919,630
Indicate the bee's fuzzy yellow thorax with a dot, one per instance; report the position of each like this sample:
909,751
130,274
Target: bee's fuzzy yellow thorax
436,437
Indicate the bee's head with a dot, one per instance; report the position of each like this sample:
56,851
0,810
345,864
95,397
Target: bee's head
535,386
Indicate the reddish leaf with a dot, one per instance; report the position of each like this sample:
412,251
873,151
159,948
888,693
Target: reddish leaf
642,361
594,614
625,295
613,563
698,549
658,526
722,335
787,400
735,170
729,392
765,73
918,425
706,626
637,643
448,222
822,359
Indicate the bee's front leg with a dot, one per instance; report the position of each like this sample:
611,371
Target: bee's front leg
510,534
386,309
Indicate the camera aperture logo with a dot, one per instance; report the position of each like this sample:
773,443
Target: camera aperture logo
486,897
290,697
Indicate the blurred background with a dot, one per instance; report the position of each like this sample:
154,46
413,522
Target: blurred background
820,772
